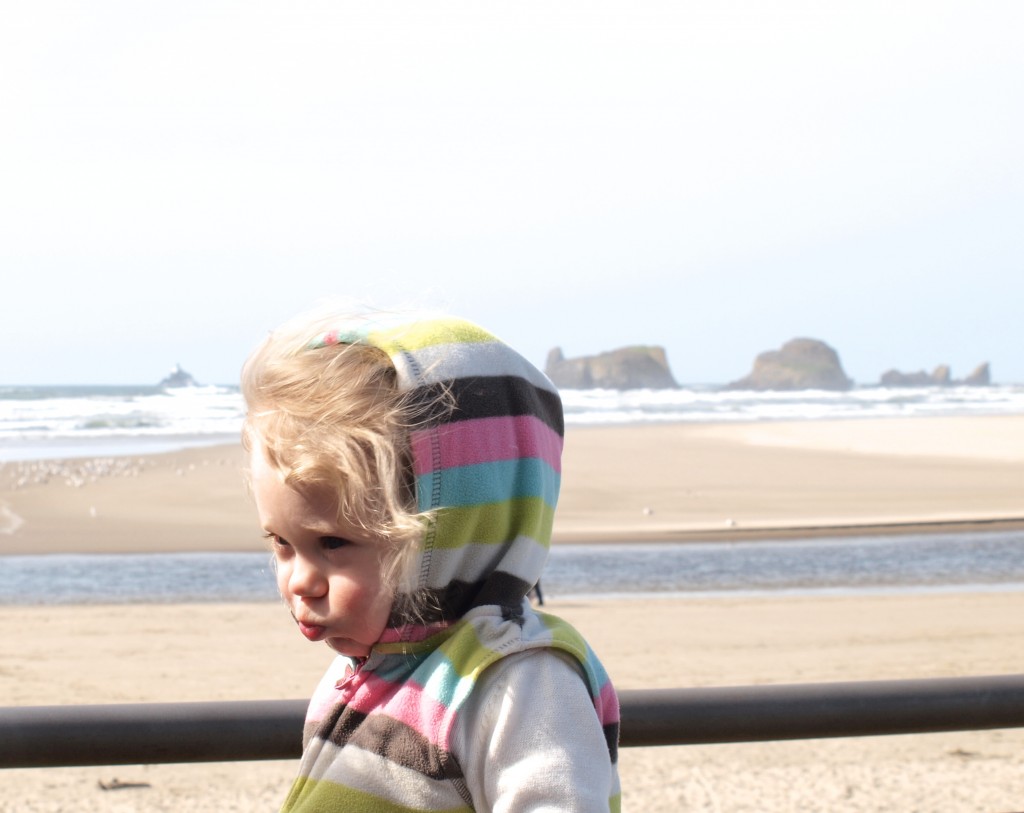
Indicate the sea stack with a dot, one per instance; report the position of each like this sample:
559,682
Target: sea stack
177,378
801,364
628,368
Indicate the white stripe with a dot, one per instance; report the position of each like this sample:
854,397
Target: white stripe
363,770
524,558
444,362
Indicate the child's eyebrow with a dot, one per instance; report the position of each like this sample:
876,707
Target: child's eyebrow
321,529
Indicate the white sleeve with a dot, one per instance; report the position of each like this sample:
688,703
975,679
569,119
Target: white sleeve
529,739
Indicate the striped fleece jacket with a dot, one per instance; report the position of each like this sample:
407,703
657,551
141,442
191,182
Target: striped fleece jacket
383,735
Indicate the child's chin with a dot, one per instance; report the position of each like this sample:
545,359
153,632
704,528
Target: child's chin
348,647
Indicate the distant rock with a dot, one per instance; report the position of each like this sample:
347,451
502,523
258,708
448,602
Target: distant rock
628,368
178,378
895,378
801,364
979,377
942,376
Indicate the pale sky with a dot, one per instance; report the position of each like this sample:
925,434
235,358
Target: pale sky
177,178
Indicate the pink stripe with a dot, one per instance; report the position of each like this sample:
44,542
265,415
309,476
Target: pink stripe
607,705
409,705
423,715
371,693
486,440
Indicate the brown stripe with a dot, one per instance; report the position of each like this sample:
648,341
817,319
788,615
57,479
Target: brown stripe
487,397
611,737
391,739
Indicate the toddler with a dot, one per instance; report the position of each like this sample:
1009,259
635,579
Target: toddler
406,476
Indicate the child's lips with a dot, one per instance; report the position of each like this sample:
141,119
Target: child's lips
313,632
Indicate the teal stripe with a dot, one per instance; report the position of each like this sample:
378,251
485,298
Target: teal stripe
396,670
440,680
483,483
445,685
452,672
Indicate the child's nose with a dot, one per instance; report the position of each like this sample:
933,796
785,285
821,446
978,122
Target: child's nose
306,579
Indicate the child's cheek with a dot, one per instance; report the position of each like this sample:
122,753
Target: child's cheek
282,572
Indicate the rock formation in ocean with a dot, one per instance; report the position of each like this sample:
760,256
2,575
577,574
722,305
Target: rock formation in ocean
980,376
896,378
178,378
801,364
942,376
628,368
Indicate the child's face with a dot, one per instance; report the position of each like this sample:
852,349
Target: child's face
328,572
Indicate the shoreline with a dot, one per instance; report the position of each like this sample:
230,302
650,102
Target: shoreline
685,536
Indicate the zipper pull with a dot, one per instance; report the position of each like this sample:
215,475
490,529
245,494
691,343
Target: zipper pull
349,674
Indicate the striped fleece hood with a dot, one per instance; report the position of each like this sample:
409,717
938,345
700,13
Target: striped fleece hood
487,468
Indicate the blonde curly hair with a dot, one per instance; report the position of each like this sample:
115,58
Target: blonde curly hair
332,417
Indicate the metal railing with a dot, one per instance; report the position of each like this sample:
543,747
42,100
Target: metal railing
150,733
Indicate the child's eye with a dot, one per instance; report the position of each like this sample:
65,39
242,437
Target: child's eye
333,542
275,540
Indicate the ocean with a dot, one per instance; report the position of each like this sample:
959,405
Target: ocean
80,421
57,422
39,423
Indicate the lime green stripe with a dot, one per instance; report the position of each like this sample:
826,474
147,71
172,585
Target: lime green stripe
324,795
495,523
464,651
418,335
564,636
454,677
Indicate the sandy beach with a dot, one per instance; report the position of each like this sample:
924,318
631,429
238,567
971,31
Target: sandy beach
679,481
682,482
